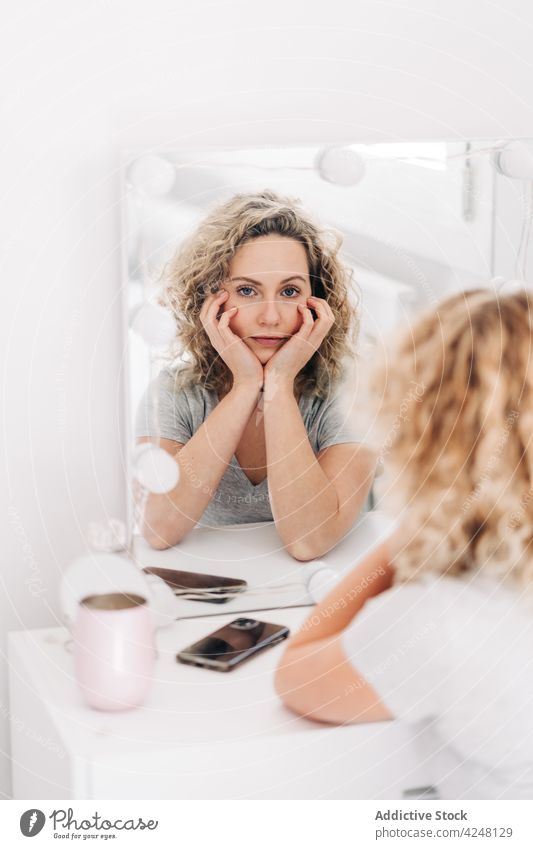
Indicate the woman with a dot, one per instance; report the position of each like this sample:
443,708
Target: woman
263,314
435,626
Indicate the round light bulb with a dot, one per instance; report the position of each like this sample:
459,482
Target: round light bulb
153,323
341,166
107,535
155,468
321,580
511,286
96,573
152,174
100,572
515,160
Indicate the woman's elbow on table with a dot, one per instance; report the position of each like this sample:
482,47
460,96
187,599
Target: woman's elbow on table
157,543
302,552
161,538
285,689
293,689
305,550
316,680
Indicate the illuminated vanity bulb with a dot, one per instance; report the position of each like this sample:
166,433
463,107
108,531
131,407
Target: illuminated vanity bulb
508,286
320,580
97,573
101,572
152,174
155,468
515,160
153,323
107,535
341,165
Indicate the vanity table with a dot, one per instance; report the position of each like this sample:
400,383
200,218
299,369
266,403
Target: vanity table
202,734
255,553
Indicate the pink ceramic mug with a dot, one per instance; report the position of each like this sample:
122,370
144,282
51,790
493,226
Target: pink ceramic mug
114,650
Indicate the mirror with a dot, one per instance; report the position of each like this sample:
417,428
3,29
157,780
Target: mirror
418,220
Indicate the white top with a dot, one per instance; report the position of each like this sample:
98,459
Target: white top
456,656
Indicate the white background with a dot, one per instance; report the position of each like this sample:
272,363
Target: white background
82,81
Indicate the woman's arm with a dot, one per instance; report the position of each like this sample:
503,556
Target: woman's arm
314,500
205,457
168,517
315,678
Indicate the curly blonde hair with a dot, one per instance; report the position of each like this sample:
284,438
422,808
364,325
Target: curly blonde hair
455,412
202,264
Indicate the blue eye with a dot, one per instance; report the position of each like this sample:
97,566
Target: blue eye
249,291
293,289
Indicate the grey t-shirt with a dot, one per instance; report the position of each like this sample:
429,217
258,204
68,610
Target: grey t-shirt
177,413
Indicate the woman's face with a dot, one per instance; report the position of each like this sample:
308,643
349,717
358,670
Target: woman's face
268,276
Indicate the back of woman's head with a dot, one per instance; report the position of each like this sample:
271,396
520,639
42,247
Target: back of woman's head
455,410
202,263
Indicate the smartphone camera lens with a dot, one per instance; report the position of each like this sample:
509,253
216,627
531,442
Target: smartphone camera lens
244,624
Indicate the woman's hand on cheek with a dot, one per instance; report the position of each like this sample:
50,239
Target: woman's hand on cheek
242,362
290,359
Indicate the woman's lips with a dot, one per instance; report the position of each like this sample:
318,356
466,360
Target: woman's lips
269,341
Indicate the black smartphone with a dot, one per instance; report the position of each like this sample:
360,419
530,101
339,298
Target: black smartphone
198,587
234,643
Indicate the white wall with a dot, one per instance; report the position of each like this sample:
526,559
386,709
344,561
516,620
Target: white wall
82,81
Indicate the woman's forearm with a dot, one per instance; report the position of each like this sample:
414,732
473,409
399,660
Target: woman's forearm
305,502
203,461
314,677
333,614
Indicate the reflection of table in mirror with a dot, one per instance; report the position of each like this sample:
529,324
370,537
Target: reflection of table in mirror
254,552
201,734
